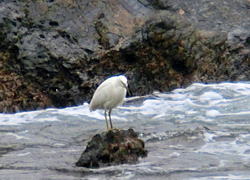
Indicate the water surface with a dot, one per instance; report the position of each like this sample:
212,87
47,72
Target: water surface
200,132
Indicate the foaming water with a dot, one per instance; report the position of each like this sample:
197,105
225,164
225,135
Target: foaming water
79,112
225,99
200,132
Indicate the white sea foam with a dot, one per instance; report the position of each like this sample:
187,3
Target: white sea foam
17,136
210,95
23,154
237,147
198,100
212,113
222,177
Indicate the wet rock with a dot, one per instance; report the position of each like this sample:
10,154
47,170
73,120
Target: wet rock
111,148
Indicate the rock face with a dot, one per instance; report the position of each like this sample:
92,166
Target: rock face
55,53
112,148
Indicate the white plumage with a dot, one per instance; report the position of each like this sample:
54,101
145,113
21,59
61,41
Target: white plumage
108,95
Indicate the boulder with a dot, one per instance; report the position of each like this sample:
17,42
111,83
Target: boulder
112,148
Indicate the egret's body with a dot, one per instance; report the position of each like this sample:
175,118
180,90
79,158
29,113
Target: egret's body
108,95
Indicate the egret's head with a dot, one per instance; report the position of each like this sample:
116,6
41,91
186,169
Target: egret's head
124,81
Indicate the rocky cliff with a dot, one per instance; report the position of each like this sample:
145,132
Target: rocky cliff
54,53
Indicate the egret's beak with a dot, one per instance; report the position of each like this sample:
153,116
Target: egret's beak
126,87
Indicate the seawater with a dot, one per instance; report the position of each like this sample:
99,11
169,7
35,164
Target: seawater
198,132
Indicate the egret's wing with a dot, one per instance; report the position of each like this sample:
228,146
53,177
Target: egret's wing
104,86
101,94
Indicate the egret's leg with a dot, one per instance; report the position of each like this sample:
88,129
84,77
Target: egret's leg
110,119
106,119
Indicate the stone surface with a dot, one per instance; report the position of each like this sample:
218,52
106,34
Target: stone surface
112,148
55,53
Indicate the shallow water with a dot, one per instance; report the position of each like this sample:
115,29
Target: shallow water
201,132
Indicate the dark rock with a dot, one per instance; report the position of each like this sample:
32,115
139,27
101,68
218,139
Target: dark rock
111,148
61,50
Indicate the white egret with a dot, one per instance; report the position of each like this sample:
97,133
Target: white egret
109,94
